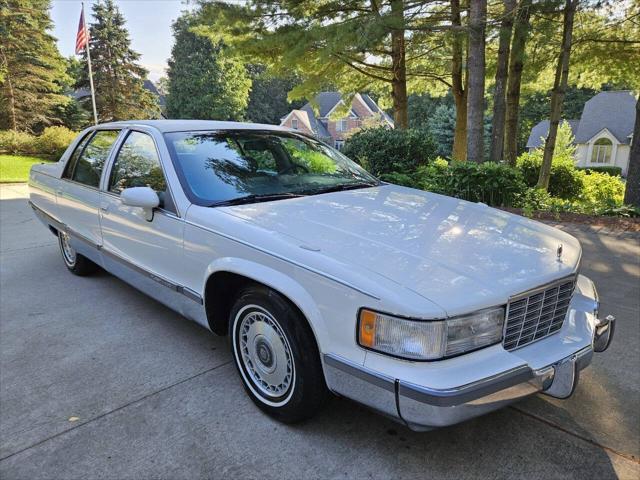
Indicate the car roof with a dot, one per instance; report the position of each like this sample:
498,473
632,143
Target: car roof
193,125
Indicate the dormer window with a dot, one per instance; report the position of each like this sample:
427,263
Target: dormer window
601,152
294,123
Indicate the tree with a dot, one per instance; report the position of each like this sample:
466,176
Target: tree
516,65
475,97
559,89
204,82
268,101
459,85
499,104
355,44
117,75
31,68
632,192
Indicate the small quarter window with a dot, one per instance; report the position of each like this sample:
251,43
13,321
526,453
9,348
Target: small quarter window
138,165
71,163
89,166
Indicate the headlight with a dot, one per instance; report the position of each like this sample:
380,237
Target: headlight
429,339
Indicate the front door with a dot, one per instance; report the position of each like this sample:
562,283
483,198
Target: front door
145,253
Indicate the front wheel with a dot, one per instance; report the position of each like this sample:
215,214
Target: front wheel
76,263
276,355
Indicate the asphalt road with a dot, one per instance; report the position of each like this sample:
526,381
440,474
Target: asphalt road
99,381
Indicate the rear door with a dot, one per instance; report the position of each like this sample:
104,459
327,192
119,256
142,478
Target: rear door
79,196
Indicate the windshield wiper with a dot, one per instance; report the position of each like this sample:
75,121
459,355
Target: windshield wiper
342,188
255,198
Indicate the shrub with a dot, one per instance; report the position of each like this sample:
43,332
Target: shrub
383,151
565,180
54,141
490,183
17,142
609,169
600,192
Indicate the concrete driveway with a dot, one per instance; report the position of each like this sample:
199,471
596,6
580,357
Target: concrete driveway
99,381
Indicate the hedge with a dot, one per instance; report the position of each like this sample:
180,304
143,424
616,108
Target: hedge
52,142
608,169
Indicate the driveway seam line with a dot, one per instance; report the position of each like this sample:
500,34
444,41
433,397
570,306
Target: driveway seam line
121,407
626,456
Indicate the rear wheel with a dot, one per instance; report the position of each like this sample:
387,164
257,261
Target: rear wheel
76,263
276,355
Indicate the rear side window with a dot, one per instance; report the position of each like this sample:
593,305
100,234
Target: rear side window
89,166
71,163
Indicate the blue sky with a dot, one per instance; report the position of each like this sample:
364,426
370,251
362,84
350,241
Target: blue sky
148,22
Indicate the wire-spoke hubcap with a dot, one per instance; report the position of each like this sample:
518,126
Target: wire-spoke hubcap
265,353
67,250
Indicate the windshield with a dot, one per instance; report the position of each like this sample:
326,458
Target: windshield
223,167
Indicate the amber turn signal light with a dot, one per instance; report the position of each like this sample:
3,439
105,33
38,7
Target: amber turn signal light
367,333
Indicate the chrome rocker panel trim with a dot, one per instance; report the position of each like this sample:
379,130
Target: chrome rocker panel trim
51,222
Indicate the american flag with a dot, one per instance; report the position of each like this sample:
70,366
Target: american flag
83,35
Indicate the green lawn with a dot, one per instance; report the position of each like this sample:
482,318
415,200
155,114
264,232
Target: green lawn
15,168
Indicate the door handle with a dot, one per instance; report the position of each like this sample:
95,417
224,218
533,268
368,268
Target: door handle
104,208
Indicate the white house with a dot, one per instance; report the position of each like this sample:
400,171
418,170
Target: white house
604,133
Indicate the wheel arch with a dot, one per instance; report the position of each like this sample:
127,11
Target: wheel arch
226,276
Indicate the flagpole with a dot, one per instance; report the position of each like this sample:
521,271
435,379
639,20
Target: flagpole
93,92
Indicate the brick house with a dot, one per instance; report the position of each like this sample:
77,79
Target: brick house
325,125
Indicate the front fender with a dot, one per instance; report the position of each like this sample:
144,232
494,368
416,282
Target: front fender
278,281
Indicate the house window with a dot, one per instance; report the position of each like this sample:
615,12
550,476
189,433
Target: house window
601,152
294,123
339,144
342,125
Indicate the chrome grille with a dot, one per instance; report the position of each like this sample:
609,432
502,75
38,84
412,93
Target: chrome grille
537,313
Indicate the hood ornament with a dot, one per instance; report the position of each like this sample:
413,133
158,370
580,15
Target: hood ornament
559,253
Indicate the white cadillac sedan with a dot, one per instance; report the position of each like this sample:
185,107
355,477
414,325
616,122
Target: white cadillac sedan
426,308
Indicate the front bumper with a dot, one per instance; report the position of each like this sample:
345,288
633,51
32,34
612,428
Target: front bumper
421,407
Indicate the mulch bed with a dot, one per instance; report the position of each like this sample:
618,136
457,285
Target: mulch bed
613,224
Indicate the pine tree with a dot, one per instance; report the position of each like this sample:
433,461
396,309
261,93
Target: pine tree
204,83
32,70
117,75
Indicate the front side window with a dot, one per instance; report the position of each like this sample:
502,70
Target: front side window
219,167
137,165
89,166
601,152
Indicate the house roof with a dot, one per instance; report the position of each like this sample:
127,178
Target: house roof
540,131
374,106
318,128
614,111
326,101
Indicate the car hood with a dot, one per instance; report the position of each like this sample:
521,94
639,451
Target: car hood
457,254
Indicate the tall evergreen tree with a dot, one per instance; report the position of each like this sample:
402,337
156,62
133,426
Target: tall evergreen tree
203,81
32,70
268,101
117,75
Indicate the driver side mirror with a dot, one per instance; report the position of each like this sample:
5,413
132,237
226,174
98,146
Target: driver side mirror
142,197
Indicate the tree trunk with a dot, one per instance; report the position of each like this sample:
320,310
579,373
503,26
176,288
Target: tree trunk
516,64
557,95
13,123
504,44
475,96
458,88
632,192
399,69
